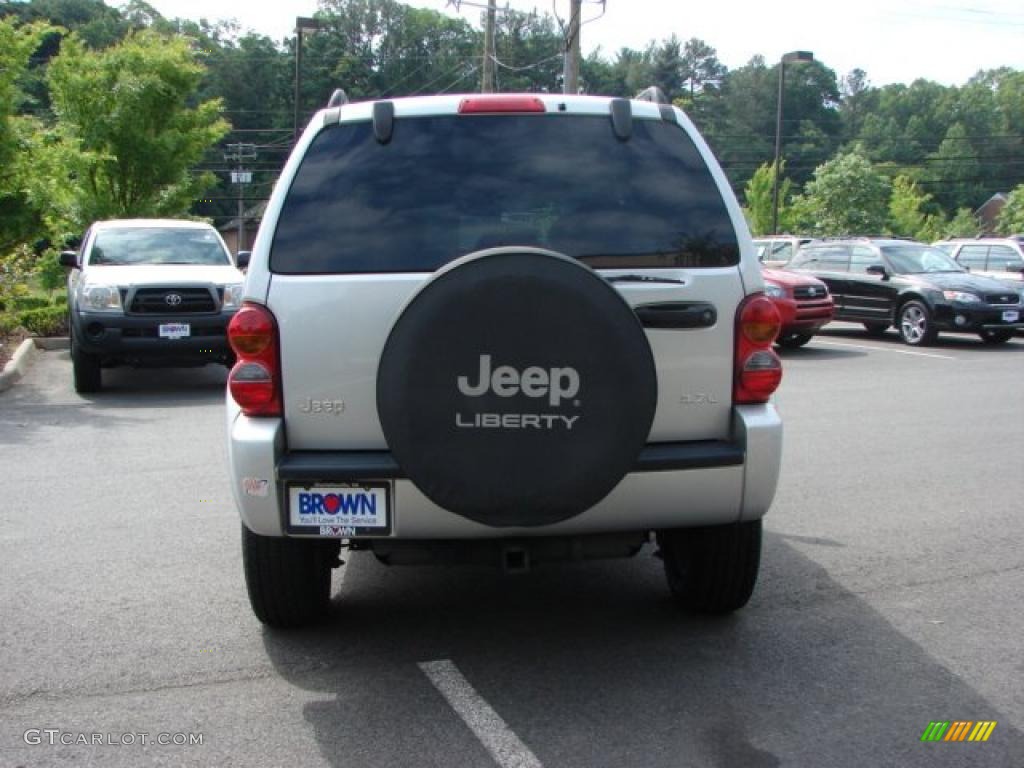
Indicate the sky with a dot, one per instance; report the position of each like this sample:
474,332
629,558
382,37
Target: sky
894,41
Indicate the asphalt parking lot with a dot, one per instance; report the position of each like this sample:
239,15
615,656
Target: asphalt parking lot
890,596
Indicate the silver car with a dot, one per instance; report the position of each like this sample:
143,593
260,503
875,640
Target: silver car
504,329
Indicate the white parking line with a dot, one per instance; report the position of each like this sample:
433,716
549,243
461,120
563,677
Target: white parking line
505,747
884,349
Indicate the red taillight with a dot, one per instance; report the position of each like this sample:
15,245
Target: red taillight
255,380
475,105
758,368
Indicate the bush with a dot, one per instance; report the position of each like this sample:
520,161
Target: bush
20,303
47,321
8,324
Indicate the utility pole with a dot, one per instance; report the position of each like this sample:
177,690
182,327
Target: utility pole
571,72
487,80
238,153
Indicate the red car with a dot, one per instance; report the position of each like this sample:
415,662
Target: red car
804,303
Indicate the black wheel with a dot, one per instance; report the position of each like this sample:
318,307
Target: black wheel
793,340
288,580
915,326
712,569
876,329
86,369
996,337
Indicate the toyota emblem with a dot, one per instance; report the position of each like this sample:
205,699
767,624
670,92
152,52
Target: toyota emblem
812,291
173,299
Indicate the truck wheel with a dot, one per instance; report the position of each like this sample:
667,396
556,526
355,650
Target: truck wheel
288,580
712,569
86,369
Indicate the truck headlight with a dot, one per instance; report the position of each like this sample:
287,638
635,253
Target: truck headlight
97,297
774,291
233,295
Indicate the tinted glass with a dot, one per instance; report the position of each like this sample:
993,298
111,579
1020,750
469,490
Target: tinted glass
157,245
862,257
1001,256
831,258
972,256
916,259
447,186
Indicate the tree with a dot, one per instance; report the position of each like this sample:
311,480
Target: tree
963,224
667,67
128,129
701,68
954,172
19,216
907,217
847,196
759,195
1011,218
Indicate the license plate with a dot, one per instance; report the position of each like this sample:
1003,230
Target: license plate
343,510
175,330
1010,315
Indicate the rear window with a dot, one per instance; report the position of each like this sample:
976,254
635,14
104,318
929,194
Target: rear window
447,186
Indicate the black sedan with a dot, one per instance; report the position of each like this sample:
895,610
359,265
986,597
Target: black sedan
917,288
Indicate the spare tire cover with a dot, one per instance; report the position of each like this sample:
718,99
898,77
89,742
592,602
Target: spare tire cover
516,388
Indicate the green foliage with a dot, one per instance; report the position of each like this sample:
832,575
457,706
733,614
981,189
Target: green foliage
759,194
963,224
19,219
907,215
28,302
45,321
846,197
127,130
15,272
1011,218
49,272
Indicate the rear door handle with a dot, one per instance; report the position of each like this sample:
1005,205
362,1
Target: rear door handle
677,314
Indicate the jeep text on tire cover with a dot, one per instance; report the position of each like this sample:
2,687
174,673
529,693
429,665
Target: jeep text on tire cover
515,298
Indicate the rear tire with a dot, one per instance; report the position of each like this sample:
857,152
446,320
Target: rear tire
996,337
876,329
712,569
288,580
86,369
793,340
915,325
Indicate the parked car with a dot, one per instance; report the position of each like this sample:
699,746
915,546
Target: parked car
1001,258
919,289
152,292
777,251
555,351
804,303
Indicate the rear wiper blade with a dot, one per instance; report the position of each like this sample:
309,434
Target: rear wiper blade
644,279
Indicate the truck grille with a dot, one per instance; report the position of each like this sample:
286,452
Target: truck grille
172,301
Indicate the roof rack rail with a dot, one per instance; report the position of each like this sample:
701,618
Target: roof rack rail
652,93
338,99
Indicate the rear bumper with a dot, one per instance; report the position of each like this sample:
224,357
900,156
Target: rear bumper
673,484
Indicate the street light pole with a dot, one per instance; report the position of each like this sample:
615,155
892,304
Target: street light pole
301,23
792,56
